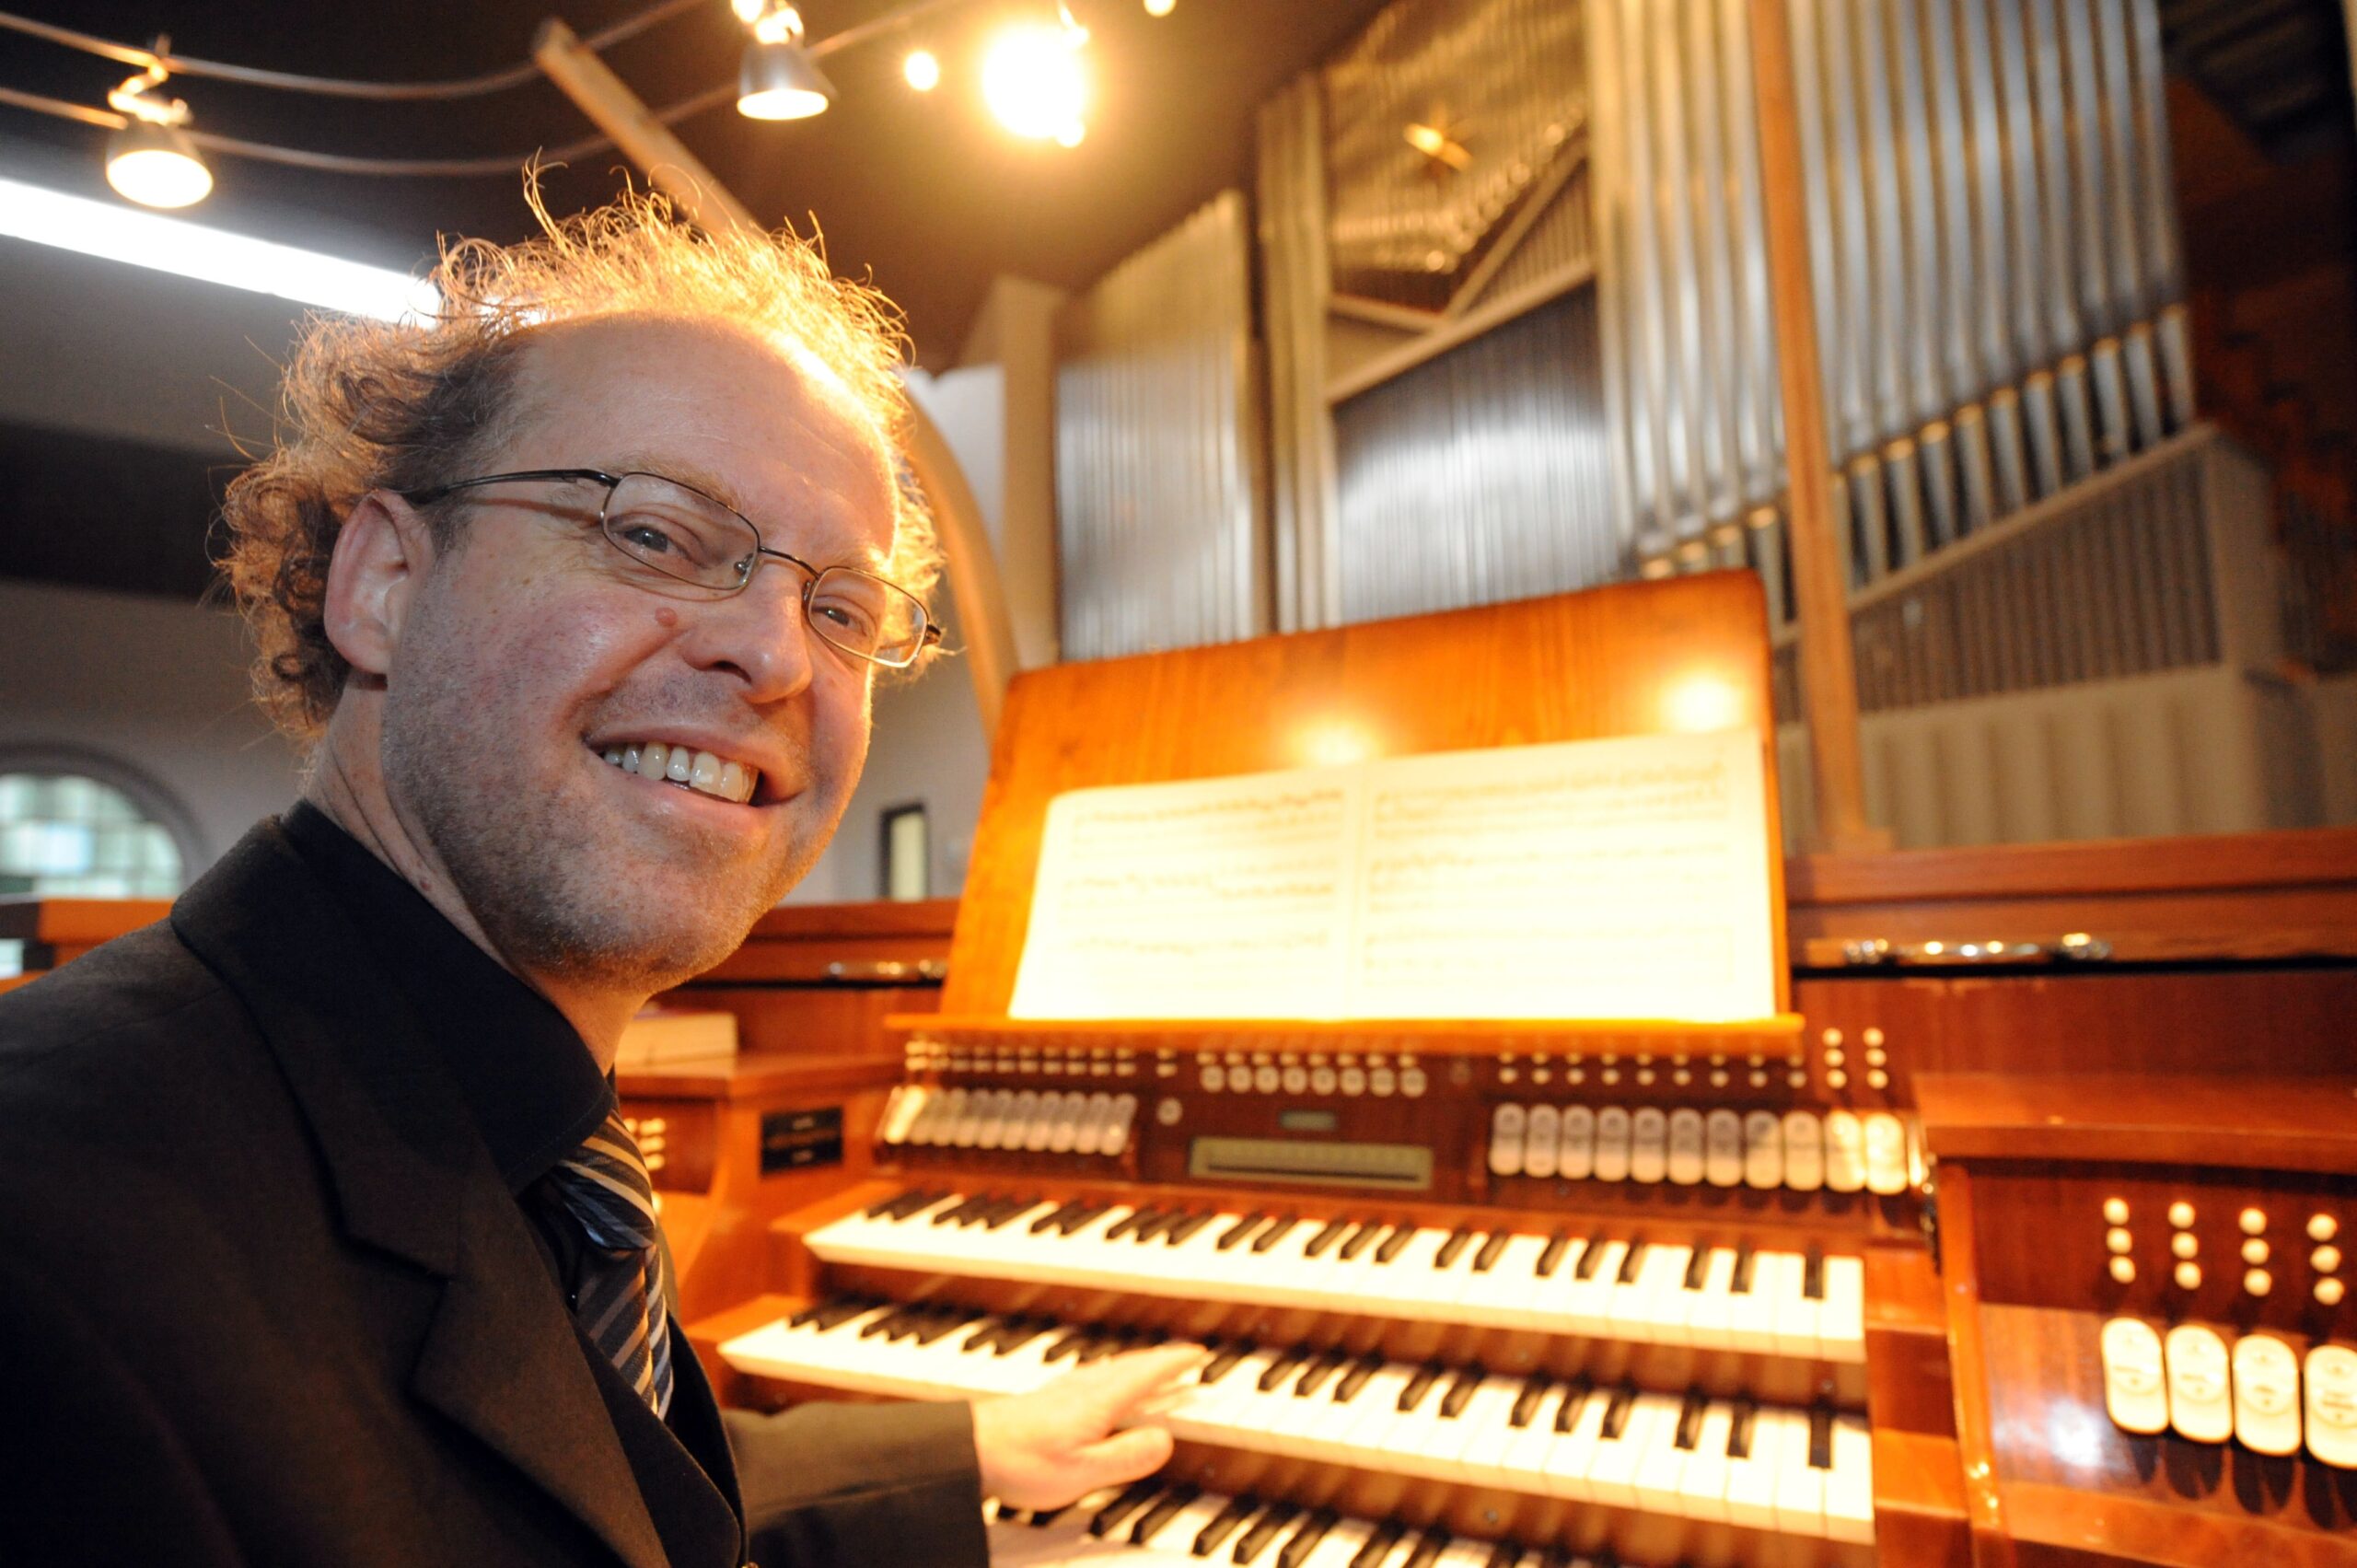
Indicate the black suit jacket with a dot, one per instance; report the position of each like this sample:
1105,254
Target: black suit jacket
265,1299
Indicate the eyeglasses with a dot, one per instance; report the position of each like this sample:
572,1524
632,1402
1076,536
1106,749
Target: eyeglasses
677,530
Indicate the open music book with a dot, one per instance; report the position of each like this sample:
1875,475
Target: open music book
1620,878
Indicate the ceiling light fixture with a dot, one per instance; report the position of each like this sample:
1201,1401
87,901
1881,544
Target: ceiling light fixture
1159,7
777,79
1034,82
210,255
921,70
150,160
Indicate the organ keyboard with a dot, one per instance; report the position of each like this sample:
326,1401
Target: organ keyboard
1828,1287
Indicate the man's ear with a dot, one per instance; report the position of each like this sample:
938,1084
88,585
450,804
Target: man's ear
380,558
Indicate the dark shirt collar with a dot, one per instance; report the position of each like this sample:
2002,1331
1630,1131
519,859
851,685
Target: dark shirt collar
530,1085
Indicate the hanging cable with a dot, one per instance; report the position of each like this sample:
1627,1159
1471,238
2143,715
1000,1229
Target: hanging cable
515,76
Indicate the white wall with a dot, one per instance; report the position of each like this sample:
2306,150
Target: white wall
156,686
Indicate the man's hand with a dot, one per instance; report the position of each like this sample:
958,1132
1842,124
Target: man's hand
1089,1428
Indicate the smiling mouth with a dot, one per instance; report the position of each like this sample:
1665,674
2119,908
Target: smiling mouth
705,772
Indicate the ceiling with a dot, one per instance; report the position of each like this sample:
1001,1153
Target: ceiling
119,384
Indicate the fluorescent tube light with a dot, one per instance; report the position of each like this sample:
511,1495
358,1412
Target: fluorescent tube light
211,255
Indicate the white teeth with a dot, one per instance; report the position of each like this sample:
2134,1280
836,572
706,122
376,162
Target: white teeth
703,772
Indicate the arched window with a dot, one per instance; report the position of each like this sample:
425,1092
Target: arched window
66,833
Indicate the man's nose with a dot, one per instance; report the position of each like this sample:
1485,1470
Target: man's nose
760,635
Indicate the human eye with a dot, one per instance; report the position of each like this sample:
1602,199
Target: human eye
842,604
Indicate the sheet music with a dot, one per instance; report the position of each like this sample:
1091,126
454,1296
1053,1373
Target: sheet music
1608,879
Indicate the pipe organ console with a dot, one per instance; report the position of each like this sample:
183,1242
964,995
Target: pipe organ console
2013,1237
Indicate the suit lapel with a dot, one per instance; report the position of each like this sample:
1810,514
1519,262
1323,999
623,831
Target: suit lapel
412,1177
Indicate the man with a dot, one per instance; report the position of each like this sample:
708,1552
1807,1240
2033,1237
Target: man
319,1240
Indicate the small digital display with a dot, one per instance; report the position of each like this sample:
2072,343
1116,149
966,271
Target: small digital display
1308,1121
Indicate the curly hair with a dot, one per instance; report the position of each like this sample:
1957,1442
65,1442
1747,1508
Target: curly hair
369,405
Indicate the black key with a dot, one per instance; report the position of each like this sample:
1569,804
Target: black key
883,1207
1166,1508
1133,1497
1314,1375
1739,1430
1081,1218
1488,1256
1254,1541
1018,1334
1069,1346
915,1202
1043,1517
1813,1276
1394,1244
1553,1259
1100,1344
1428,1550
1820,1438
887,1323
1223,1361
1356,1378
1129,1223
943,1324
1505,1554
1455,1244
981,1208
955,1212
980,1338
1304,1540
1698,1268
1377,1547
1526,1403
1555,1556
1225,1524
1285,1367
1276,1233
1184,1231
1419,1384
1054,1216
1689,1419
1631,1262
1008,1210
1239,1230
1741,1285
1452,1404
1615,1414
1359,1241
1158,1224
809,1314
1326,1238
1586,1268
835,1314
1575,1393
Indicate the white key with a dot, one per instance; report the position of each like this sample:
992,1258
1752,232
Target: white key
1415,1435
1506,1292
1648,1144
2202,1400
1686,1146
1482,1433
2135,1386
1751,1313
1340,1546
1612,1143
1841,1315
2331,1379
1850,1484
1763,1150
1576,1145
1707,1322
1803,1151
2267,1395
1542,1141
1751,1476
1574,1453
1583,1306
1702,1484
1659,1480
1647,1307
1800,1487
1779,1276
1888,1170
1845,1152
1722,1148
1509,1124
1612,1476
1523,1465
1360,1425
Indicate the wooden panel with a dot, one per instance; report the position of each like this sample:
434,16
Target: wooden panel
2264,1124
864,943
1572,667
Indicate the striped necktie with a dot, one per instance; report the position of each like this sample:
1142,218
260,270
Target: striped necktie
620,1306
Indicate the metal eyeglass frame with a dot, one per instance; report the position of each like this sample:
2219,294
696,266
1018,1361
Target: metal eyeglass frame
929,631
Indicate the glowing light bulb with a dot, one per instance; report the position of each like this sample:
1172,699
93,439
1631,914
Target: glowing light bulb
1159,7
1701,704
1033,82
921,70
155,166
